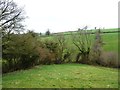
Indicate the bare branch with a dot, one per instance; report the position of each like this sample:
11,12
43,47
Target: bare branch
10,17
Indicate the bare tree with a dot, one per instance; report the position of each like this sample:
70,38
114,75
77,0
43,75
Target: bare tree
83,43
11,17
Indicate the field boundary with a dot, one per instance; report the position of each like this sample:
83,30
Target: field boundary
69,33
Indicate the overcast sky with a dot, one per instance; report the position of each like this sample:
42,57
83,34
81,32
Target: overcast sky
68,15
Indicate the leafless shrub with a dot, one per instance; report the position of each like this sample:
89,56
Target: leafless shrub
96,50
109,59
46,57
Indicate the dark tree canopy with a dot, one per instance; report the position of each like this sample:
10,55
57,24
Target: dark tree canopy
47,32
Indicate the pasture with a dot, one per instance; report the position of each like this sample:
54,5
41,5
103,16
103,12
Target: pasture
67,75
62,76
110,39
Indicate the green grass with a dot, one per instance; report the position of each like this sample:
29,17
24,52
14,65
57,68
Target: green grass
110,40
62,76
93,30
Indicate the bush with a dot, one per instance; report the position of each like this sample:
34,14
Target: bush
110,59
51,52
63,52
82,42
46,57
48,52
24,50
20,52
5,66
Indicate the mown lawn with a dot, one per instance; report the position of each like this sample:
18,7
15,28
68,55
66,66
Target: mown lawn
62,76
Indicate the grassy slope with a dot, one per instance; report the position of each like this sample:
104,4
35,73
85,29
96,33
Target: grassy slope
110,40
65,76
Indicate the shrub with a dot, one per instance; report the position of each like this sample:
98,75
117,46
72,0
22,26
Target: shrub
20,51
67,55
96,50
54,52
82,42
110,59
5,66
63,52
46,57
48,52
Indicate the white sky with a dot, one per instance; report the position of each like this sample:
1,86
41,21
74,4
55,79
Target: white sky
68,15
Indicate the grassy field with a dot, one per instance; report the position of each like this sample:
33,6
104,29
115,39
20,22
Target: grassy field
93,30
110,40
62,76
